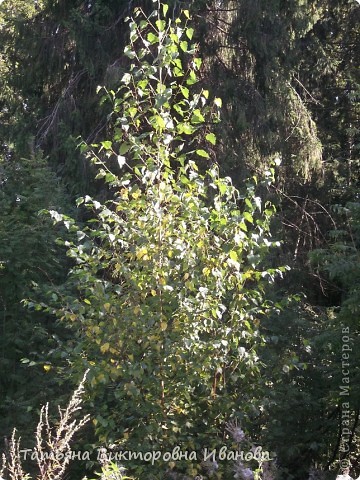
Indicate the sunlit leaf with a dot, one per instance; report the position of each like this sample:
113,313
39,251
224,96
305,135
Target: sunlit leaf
202,153
210,137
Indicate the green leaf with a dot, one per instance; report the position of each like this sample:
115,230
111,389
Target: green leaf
160,25
233,255
110,178
158,121
197,63
249,204
248,217
189,32
124,148
184,91
197,116
243,226
210,137
107,144
222,188
202,153
132,111
184,46
165,8
152,38
192,78
185,128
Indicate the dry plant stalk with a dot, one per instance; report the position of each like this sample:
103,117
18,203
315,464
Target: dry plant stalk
13,467
52,451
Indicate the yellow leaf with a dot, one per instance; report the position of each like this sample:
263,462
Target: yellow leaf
104,348
233,255
124,193
141,253
47,368
136,194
